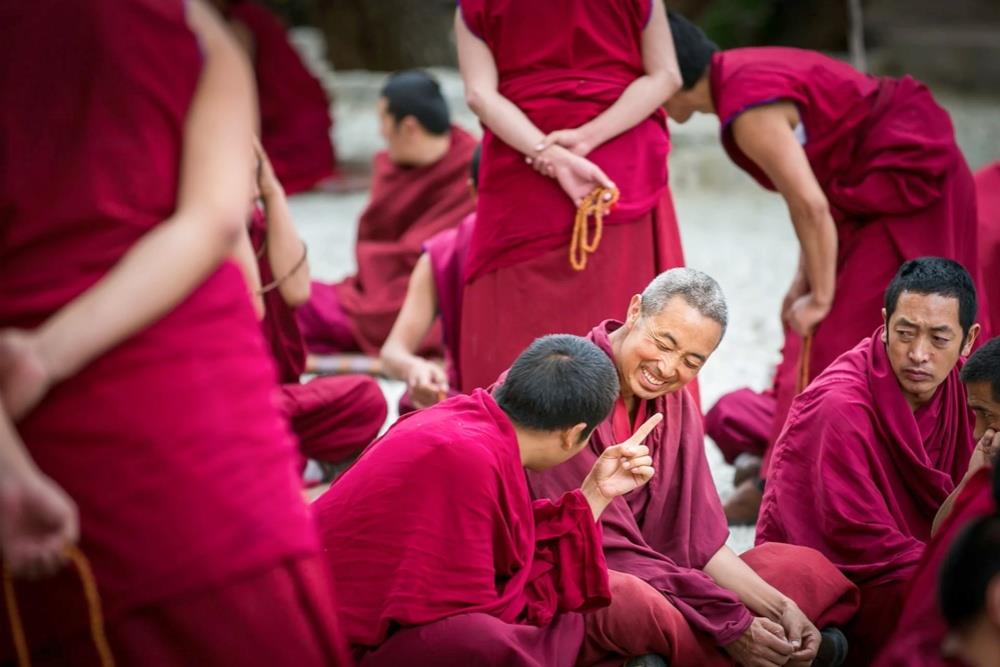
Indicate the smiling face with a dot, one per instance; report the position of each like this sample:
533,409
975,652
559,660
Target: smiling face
658,354
924,342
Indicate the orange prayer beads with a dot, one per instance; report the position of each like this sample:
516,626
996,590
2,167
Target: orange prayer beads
598,203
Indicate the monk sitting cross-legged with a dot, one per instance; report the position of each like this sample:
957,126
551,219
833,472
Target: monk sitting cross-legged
696,601
438,552
874,446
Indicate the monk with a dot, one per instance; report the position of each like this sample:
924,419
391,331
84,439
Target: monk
418,189
435,291
970,589
672,534
876,444
988,203
576,88
332,417
136,414
921,632
868,167
295,123
437,549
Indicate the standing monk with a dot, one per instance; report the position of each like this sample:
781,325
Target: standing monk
875,445
868,167
418,189
671,534
130,361
531,68
988,204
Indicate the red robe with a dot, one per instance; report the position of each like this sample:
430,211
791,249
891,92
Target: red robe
988,199
295,123
518,263
665,532
408,206
332,417
921,629
169,443
434,523
885,155
874,474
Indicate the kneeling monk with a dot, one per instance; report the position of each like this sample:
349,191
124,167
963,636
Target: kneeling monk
672,533
436,547
876,444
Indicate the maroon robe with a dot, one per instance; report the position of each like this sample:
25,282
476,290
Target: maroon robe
885,155
922,629
874,474
434,526
408,206
666,531
519,260
988,199
169,443
332,417
295,123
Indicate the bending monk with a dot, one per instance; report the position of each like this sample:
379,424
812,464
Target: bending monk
876,444
418,189
435,542
988,204
671,534
332,417
130,361
582,102
922,630
435,290
868,167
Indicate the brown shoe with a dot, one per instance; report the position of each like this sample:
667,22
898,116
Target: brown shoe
744,505
747,467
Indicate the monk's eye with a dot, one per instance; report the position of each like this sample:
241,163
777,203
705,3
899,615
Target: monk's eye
693,365
904,335
941,342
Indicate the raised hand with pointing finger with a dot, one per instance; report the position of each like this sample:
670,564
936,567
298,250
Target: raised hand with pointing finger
621,468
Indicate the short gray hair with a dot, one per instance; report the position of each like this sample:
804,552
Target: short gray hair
699,289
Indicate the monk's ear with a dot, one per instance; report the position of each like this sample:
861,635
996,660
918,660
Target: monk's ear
572,437
970,339
885,331
993,601
634,310
410,125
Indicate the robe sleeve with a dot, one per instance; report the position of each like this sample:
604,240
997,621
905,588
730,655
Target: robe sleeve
569,572
705,605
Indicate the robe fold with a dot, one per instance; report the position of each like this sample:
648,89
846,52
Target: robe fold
519,259
332,417
988,203
922,629
874,472
169,443
665,532
408,206
884,153
295,125
434,523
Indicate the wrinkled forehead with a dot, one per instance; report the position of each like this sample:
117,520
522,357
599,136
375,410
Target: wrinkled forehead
982,396
932,312
685,328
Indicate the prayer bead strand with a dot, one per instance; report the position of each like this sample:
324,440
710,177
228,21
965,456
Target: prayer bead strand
598,203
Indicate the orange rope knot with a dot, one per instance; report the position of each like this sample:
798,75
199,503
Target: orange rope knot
598,203
93,609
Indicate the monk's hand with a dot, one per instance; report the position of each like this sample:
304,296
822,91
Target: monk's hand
576,141
37,522
623,467
798,288
577,175
763,644
800,633
985,453
267,181
25,376
427,383
806,313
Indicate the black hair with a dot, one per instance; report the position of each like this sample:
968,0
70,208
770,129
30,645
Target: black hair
935,275
559,381
694,49
984,366
474,165
416,93
971,563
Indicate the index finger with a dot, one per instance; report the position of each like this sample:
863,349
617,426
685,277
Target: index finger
644,430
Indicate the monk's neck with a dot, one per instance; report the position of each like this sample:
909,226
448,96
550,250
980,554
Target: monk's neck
616,338
702,92
428,150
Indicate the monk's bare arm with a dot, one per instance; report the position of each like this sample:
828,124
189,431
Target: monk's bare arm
173,258
286,251
246,259
766,136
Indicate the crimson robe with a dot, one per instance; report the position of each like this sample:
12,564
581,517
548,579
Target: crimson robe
988,200
518,263
408,205
295,125
666,531
332,417
885,155
922,629
169,443
874,474
434,526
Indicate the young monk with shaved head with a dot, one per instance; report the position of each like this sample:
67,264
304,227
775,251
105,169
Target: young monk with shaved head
877,443
689,597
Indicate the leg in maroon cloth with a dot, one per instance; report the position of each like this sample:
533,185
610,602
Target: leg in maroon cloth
334,417
325,325
740,422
